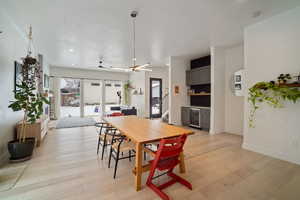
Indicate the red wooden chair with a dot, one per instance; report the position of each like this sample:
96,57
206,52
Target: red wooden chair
166,158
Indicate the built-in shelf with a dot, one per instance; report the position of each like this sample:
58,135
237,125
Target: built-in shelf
291,85
285,85
199,94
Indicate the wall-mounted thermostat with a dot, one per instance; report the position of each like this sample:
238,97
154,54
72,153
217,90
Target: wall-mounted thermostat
239,83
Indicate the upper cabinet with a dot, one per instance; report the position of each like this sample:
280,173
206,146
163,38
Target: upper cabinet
200,71
201,62
198,76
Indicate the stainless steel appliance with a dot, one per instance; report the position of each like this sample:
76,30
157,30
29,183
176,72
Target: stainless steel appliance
195,118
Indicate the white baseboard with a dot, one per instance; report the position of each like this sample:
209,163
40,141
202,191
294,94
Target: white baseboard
269,152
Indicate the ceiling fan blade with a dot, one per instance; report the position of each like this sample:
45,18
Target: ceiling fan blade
145,65
141,66
138,67
120,68
143,69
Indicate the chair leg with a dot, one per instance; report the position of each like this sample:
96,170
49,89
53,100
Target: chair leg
103,148
156,189
116,163
110,155
98,145
145,156
160,193
129,155
180,180
150,176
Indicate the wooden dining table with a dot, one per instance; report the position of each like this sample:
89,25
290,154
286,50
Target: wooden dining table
142,131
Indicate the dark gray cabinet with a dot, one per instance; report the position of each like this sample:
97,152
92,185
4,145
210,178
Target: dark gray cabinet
185,116
198,76
205,119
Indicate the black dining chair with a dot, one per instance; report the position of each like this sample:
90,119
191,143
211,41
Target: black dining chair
120,144
104,136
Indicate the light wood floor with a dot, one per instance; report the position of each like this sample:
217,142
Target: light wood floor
66,167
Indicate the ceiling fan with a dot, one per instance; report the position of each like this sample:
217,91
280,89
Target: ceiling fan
134,67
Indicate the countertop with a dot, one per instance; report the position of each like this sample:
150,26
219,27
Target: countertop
200,107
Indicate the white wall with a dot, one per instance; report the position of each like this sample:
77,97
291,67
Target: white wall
227,110
272,47
177,70
13,46
217,122
137,80
234,105
87,73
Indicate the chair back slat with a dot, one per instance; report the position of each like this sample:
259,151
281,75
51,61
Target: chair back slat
167,155
166,158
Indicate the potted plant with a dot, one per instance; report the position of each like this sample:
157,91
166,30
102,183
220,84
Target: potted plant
28,100
127,88
283,78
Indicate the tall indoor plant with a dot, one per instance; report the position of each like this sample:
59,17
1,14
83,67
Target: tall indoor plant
30,101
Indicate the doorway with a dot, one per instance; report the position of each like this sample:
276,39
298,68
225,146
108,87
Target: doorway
155,97
113,95
70,97
85,97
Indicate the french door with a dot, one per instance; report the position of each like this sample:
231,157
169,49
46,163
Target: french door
155,97
113,94
70,95
86,97
92,98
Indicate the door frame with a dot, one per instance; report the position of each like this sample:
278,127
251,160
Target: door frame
160,99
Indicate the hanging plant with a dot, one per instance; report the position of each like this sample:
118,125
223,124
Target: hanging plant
272,94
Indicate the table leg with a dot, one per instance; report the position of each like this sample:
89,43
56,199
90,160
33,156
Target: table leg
138,165
181,164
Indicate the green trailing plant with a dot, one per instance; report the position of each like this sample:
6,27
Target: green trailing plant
271,93
27,98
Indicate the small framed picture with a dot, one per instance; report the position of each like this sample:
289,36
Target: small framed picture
238,86
238,78
176,89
